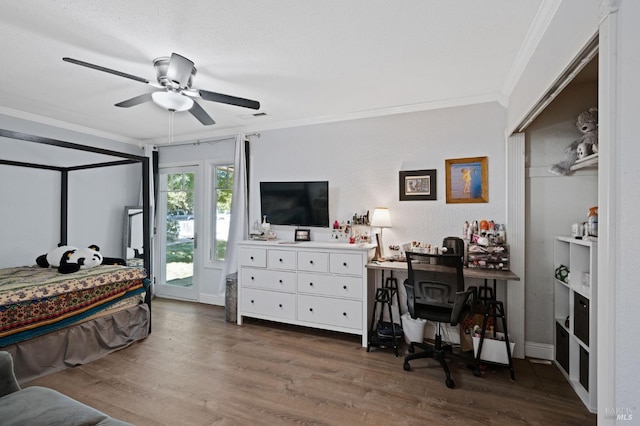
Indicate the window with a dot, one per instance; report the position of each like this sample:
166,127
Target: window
221,199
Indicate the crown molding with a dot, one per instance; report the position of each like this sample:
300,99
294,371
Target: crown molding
536,31
67,126
404,109
257,127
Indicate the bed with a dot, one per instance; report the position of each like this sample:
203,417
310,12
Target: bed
50,321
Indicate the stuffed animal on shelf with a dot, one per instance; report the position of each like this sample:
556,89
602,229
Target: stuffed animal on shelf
587,144
70,259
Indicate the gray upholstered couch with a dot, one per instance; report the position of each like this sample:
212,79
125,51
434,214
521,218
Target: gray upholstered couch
36,405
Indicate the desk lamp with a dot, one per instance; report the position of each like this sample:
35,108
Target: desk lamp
381,219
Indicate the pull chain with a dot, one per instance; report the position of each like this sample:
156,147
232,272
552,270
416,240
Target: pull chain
171,126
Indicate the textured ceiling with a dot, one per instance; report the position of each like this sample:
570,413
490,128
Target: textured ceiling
304,61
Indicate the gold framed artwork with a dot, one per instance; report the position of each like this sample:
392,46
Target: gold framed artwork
417,185
467,180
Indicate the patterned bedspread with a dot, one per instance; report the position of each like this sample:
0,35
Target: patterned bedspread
33,297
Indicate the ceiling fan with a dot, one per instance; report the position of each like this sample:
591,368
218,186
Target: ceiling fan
174,76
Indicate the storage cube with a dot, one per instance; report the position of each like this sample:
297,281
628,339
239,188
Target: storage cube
584,368
581,318
562,347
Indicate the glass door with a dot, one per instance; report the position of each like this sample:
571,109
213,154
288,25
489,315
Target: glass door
177,231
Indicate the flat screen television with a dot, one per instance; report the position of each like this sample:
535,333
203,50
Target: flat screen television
295,203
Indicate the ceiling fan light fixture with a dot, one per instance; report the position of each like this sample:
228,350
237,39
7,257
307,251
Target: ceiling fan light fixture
173,101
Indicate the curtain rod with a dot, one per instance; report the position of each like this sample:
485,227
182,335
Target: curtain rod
208,141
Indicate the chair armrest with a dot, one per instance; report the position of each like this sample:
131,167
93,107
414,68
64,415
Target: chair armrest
462,300
8,382
474,294
411,298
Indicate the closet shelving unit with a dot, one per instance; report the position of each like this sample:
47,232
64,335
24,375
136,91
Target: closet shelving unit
575,311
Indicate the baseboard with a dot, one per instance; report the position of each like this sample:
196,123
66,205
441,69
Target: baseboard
538,350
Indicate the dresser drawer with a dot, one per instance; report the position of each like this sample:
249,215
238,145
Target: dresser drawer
329,311
343,263
269,303
313,261
281,259
330,285
269,279
252,257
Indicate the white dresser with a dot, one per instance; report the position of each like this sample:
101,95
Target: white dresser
321,285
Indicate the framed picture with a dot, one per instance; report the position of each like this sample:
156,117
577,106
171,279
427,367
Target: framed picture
417,185
303,235
467,180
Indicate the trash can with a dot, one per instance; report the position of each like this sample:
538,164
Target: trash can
231,297
413,328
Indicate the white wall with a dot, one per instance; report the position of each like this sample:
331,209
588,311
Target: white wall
361,159
553,202
573,25
30,198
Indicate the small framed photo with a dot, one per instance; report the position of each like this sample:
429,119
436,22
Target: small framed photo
467,180
418,185
303,235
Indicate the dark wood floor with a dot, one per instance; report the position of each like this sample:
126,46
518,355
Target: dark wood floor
197,369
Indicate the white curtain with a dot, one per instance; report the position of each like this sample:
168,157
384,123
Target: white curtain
239,222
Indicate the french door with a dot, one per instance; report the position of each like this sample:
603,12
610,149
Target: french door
177,233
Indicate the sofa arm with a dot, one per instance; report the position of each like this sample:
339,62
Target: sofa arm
8,382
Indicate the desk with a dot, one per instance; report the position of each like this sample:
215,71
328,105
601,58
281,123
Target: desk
477,273
483,274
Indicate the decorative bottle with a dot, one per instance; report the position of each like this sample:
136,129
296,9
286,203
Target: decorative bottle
592,221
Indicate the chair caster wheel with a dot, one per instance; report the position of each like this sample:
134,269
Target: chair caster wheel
450,383
406,366
476,372
411,349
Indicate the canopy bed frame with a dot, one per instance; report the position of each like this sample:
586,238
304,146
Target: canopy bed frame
116,316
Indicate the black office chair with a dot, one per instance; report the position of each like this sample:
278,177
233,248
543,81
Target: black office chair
435,292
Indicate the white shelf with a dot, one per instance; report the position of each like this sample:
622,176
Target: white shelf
573,354
588,161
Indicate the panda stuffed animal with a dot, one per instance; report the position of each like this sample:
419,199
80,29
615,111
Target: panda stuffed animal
70,259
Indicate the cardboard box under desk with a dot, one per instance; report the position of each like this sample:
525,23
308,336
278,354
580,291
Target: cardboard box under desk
489,257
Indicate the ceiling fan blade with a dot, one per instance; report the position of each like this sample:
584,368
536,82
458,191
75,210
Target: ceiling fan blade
135,101
227,99
109,70
179,70
198,112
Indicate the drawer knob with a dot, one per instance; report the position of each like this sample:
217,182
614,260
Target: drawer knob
311,262
251,257
280,260
310,309
280,305
344,264
310,284
344,314
280,281
252,301
344,287
253,278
